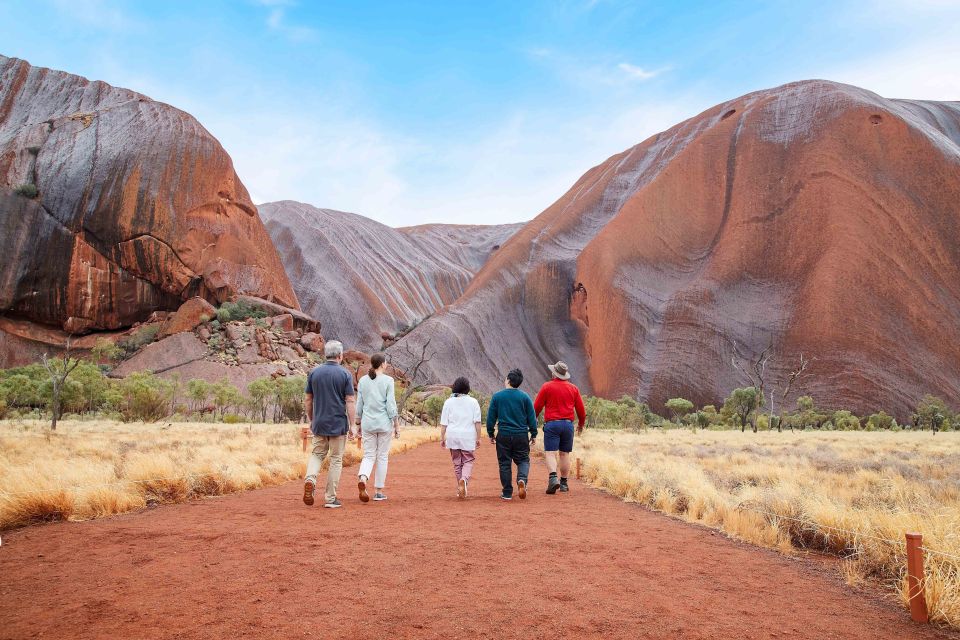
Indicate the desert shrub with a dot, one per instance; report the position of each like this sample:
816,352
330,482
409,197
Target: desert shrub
679,408
932,413
144,397
232,418
288,395
27,190
3,409
106,350
232,311
139,338
845,421
225,396
433,406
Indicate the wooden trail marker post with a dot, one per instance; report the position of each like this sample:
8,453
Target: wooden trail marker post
915,578
304,436
578,468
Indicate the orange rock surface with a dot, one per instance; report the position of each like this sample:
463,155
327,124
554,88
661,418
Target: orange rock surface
818,217
138,207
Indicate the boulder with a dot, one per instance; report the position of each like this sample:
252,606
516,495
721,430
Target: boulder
169,353
138,207
312,342
286,353
283,322
188,317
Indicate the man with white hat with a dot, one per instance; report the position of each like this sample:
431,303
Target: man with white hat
559,399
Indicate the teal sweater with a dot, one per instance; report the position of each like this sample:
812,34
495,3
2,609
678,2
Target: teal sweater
513,410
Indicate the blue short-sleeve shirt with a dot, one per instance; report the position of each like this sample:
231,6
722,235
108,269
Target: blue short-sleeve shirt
330,385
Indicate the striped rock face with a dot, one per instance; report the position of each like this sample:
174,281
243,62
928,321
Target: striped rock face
361,279
816,217
138,207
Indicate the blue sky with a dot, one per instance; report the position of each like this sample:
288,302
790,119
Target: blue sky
468,112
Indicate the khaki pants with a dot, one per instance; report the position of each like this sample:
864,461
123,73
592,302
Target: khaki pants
376,449
324,447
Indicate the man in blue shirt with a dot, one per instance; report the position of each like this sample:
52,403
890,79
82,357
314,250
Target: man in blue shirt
512,411
331,409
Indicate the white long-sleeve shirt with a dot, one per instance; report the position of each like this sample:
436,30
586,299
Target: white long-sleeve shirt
376,403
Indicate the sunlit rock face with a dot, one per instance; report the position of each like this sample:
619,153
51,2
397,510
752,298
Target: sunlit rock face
362,279
137,207
816,217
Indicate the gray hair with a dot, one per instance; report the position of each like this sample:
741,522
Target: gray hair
332,349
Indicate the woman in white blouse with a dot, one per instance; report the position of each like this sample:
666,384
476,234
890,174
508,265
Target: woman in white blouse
460,432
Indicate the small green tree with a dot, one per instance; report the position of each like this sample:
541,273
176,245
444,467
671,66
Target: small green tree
932,412
741,403
225,395
145,397
198,391
433,406
260,392
58,370
679,408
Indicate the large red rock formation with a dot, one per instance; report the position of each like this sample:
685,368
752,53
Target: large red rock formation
816,216
138,207
361,278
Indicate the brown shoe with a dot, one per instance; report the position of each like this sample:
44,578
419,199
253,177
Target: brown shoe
522,489
362,486
308,488
461,488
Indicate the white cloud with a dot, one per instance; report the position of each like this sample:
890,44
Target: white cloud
637,73
277,21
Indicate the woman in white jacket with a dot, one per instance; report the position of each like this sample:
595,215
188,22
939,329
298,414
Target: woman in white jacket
460,432
377,417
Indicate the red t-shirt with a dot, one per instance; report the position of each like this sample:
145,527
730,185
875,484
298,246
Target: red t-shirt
561,398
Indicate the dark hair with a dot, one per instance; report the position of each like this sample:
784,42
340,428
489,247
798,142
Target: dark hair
461,386
376,360
515,378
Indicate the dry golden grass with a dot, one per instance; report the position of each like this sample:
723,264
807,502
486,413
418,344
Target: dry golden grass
93,469
853,494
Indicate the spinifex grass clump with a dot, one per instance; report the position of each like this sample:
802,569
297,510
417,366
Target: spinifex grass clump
851,494
92,469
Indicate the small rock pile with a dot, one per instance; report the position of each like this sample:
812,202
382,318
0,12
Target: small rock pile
262,340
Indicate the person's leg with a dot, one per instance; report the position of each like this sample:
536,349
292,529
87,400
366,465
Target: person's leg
505,460
456,455
564,464
566,448
521,455
383,457
551,445
321,446
369,444
467,466
337,445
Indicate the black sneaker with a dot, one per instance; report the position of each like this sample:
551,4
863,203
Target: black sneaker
564,487
335,504
553,485
504,496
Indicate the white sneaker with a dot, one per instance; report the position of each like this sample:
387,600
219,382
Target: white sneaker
379,497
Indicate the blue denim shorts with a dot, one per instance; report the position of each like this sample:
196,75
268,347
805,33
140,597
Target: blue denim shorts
558,435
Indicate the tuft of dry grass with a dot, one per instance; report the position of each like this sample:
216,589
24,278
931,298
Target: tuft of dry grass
852,494
100,468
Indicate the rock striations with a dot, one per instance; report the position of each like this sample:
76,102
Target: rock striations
816,217
113,205
362,279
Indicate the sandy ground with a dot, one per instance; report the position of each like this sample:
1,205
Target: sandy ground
421,565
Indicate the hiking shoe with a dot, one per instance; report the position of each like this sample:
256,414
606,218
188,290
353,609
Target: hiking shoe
553,485
564,487
504,496
379,497
522,489
362,486
308,488
333,504
461,488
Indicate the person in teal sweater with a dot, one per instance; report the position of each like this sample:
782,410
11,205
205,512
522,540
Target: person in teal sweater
511,411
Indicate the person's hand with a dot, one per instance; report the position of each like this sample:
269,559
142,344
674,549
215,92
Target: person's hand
350,434
580,430
443,443
533,441
493,440
396,433
478,443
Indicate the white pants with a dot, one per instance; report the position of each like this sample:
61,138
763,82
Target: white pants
376,449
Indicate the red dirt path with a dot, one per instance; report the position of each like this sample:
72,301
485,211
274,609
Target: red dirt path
421,565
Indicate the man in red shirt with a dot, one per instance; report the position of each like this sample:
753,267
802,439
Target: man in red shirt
559,399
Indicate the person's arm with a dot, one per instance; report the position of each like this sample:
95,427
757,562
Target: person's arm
359,409
351,414
492,418
531,420
444,421
540,402
392,411
581,412
477,419
308,406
